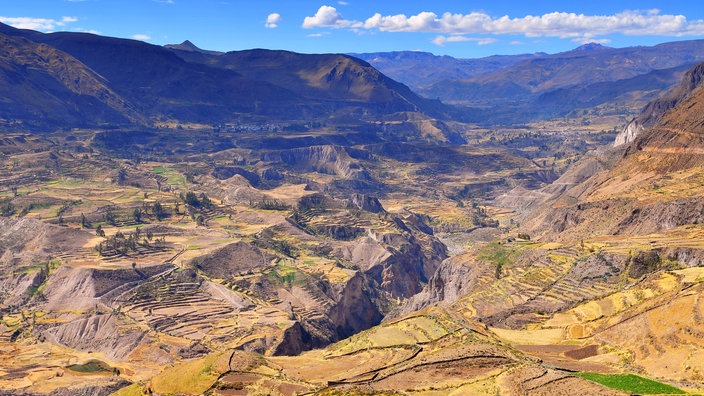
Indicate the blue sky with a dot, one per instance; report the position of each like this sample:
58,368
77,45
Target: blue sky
458,28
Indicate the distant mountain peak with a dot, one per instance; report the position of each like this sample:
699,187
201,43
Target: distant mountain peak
591,47
190,47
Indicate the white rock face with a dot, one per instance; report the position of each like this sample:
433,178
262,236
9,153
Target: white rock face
629,133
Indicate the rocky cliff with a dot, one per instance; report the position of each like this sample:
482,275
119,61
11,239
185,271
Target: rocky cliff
640,188
654,110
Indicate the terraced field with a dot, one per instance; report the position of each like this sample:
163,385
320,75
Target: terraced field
183,265
279,271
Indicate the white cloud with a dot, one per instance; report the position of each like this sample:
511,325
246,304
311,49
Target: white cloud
577,27
165,1
487,41
344,3
328,17
273,20
40,24
141,37
318,34
442,40
589,38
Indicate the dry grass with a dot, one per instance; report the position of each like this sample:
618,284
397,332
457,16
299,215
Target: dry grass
531,337
132,390
192,377
414,330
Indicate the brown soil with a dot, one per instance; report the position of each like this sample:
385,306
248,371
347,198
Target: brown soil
440,374
583,353
567,357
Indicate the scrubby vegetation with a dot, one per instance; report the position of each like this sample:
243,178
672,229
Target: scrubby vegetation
131,242
498,255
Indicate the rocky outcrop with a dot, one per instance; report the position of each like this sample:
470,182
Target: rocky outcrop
356,310
334,160
688,257
231,260
237,189
338,232
399,263
366,203
365,252
109,334
454,278
629,133
662,216
226,172
26,241
654,110
644,263
294,341
70,289
16,288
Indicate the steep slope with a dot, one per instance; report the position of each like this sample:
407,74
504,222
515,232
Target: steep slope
163,85
582,178
614,217
648,86
692,80
338,80
431,352
144,83
189,46
614,283
654,186
40,84
27,250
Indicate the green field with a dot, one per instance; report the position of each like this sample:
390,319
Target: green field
632,383
93,366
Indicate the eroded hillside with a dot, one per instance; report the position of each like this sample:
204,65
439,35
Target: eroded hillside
609,258
132,251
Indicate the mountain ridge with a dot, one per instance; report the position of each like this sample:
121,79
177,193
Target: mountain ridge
158,85
623,196
187,45
61,84
515,86
655,109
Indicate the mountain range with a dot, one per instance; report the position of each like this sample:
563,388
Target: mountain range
540,86
121,82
